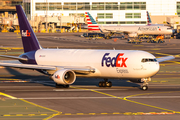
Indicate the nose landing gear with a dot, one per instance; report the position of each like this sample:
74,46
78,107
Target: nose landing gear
145,83
144,87
105,83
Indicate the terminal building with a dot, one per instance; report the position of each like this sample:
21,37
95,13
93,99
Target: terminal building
105,12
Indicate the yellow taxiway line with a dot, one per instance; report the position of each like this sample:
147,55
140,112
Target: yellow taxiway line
126,99
166,111
52,115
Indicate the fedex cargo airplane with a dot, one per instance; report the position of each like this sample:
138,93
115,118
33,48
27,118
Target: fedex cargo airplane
64,65
132,31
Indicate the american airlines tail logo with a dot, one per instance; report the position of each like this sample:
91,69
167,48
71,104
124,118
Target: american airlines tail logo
117,61
26,33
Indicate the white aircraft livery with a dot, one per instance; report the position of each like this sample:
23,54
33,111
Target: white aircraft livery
132,31
64,65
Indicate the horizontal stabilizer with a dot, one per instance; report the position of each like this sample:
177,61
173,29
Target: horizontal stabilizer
14,57
165,58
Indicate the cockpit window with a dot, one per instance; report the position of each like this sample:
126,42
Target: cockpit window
148,60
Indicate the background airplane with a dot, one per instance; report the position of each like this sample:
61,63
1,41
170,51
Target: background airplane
132,31
64,65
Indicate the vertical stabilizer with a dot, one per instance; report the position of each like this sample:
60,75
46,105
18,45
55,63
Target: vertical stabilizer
29,40
92,24
148,18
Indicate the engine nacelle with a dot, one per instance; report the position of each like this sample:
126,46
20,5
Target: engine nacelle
133,35
64,77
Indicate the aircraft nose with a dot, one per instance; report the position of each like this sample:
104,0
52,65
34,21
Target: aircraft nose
174,32
155,68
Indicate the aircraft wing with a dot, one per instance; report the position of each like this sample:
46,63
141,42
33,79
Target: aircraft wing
76,69
28,66
164,58
115,31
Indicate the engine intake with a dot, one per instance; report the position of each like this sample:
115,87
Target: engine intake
64,77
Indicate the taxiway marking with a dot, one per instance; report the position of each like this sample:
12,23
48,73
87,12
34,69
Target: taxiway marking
9,96
110,96
52,115
114,113
126,99
174,62
136,97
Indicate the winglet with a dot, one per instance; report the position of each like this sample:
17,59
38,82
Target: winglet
29,40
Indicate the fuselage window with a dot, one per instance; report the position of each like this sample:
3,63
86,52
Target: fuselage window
148,60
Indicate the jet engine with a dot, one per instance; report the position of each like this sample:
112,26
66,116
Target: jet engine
64,77
133,35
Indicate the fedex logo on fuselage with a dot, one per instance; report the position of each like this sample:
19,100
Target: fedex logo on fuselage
117,61
26,33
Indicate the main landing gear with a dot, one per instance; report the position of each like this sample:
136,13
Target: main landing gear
61,86
145,83
105,83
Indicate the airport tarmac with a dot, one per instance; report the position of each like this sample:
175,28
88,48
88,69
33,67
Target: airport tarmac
26,94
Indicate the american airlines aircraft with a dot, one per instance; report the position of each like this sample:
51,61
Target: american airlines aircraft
64,65
132,31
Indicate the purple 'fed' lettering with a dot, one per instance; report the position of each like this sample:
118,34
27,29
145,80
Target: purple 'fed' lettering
114,61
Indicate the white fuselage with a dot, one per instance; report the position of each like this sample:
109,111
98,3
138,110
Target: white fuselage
148,29
107,63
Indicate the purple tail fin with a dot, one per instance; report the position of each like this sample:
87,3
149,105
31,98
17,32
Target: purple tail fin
29,40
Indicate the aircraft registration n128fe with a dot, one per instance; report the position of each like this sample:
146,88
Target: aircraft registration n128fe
64,65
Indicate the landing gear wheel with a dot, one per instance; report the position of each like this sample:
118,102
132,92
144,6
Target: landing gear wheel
145,87
109,84
105,83
100,84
